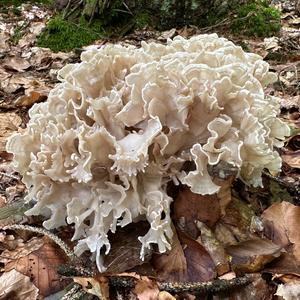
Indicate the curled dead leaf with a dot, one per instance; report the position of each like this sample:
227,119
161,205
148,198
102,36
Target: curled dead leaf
146,289
292,158
38,259
165,296
15,285
16,63
97,286
282,223
251,256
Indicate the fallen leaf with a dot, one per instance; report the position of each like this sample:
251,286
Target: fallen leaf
9,122
15,285
97,286
189,207
32,245
126,248
292,158
165,296
146,289
214,248
171,266
251,256
38,259
272,43
32,97
16,63
285,266
200,266
289,291
282,223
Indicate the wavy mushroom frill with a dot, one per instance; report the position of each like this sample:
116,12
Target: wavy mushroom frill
122,123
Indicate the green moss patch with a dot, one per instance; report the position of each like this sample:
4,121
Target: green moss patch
62,35
256,19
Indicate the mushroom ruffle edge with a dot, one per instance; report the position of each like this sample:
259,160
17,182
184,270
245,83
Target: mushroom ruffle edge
121,124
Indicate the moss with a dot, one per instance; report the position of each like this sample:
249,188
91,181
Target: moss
142,19
62,35
256,19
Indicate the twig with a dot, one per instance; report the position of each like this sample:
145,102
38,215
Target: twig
74,9
94,11
214,286
47,233
75,271
66,9
226,21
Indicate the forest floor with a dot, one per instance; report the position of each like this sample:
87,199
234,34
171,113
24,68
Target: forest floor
264,222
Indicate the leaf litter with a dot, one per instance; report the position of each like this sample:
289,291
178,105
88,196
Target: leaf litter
222,237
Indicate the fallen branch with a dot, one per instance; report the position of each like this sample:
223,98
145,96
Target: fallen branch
214,286
45,232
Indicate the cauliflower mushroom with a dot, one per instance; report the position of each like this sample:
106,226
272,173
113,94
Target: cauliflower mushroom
101,150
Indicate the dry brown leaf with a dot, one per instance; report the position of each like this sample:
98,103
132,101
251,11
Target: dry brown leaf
282,223
200,266
97,286
31,97
284,267
16,63
292,158
32,245
251,256
289,291
9,122
165,296
189,207
171,266
224,195
39,263
126,248
15,285
146,289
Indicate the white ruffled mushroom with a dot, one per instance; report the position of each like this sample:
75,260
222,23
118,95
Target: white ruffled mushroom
121,124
